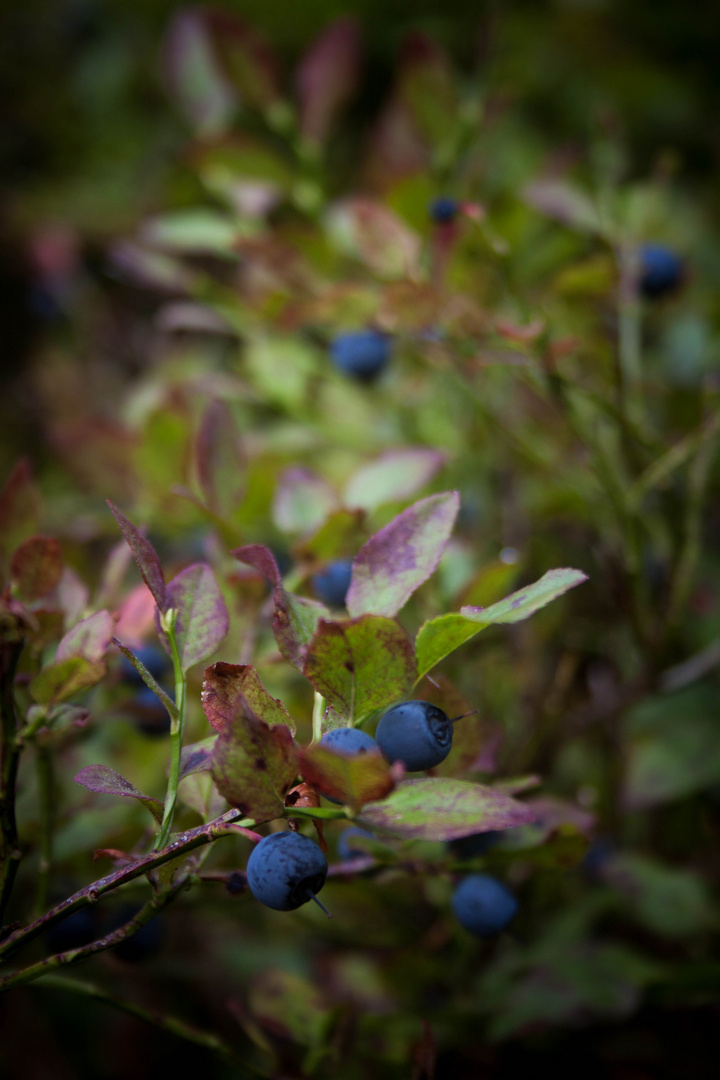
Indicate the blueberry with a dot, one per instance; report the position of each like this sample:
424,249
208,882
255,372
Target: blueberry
363,354
349,740
155,660
469,847
483,905
661,271
443,210
285,870
331,584
345,844
148,712
416,733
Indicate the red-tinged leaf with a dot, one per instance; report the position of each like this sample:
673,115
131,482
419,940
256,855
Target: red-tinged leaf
217,455
136,617
443,810
71,595
439,637
231,690
148,679
397,149
392,477
89,638
392,564
246,58
197,757
360,665
563,202
303,500
327,77
193,73
145,556
295,619
254,766
426,86
36,567
19,506
370,232
202,617
353,779
105,781
62,680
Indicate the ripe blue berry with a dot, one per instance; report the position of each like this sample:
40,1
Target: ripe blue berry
346,840
285,870
661,271
416,733
363,354
331,584
443,210
349,740
483,905
149,713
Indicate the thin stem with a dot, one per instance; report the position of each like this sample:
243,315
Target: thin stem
72,956
171,1024
629,340
46,788
226,825
176,731
317,717
9,759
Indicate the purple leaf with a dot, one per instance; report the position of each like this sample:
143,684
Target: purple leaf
193,74
295,619
360,665
145,556
303,500
36,567
444,810
327,77
246,58
89,638
197,757
439,637
218,460
354,779
254,765
230,690
392,564
395,475
105,781
202,617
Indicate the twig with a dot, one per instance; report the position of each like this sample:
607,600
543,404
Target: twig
72,956
9,758
176,730
170,1024
226,825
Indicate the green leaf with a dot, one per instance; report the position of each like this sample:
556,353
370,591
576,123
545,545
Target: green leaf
90,638
395,475
439,637
360,665
353,779
106,781
254,766
443,810
397,560
202,617
62,680
230,690
667,900
303,500
196,232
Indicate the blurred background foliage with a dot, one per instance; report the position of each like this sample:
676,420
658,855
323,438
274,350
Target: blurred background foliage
137,362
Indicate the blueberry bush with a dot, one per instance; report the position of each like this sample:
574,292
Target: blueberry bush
384,569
